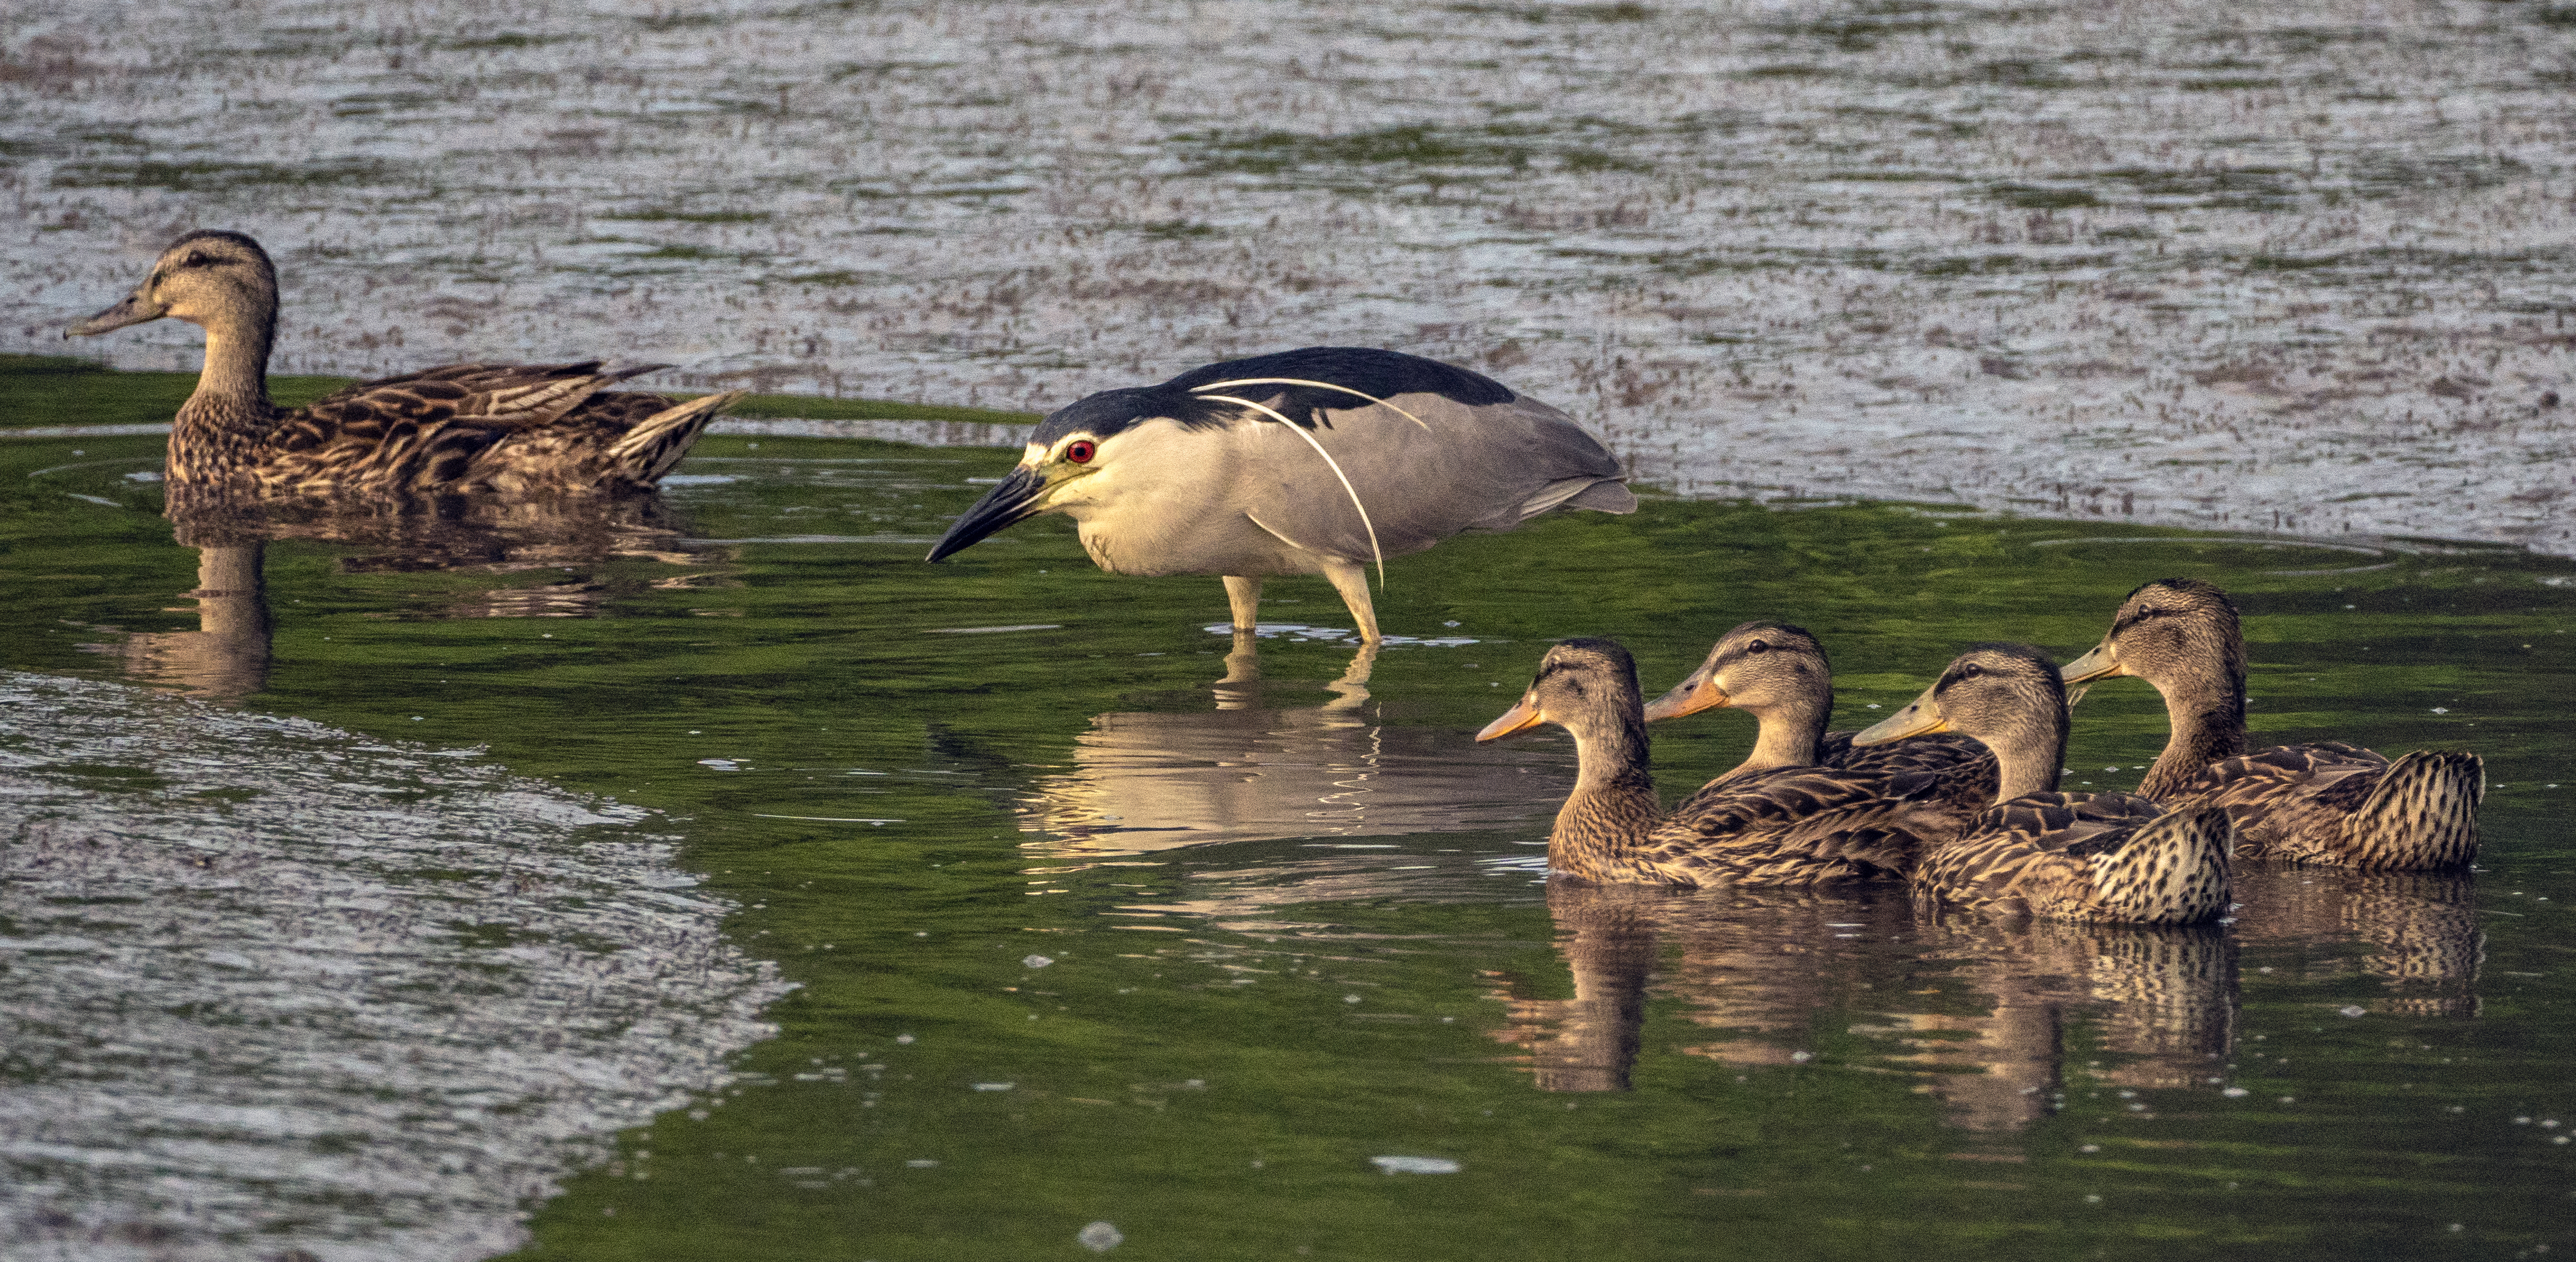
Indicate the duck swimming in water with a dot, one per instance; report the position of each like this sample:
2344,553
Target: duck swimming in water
1780,826
458,429
2325,802
2065,856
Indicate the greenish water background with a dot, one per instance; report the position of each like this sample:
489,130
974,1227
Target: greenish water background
1225,1035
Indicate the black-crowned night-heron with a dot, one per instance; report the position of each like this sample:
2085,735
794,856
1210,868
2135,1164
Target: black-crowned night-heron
1315,461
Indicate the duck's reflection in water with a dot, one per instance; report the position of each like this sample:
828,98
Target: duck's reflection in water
1590,1042
1993,1015
1247,770
2415,932
2160,1003
1978,1009
228,655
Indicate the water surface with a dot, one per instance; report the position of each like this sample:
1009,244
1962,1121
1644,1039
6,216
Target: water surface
1204,1021
2298,266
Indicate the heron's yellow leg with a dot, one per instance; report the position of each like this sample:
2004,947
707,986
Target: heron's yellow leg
1244,594
1351,579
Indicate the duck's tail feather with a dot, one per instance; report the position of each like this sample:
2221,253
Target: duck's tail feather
657,442
2423,814
2173,871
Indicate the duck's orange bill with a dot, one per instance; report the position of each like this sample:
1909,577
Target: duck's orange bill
1519,718
2102,663
1690,696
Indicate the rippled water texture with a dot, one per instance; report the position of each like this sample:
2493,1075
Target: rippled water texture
2295,266
272,987
1106,928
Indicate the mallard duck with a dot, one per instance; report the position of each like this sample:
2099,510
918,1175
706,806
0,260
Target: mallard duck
461,428
2326,802
1777,673
2066,856
1785,826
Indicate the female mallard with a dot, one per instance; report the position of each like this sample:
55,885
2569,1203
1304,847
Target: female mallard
1777,673
2066,856
463,428
1784,826
2326,802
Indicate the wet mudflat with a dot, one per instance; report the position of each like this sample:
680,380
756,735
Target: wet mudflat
2298,266
1095,918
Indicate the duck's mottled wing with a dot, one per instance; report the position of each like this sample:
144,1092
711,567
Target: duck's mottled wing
2040,838
427,432
2071,823
616,411
1966,767
1803,826
2290,799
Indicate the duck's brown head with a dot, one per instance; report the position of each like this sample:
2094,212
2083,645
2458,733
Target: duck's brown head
1583,685
1760,668
207,277
2009,697
2173,633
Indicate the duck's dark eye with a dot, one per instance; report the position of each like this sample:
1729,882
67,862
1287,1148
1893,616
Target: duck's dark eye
1971,671
1757,647
195,259
1081,451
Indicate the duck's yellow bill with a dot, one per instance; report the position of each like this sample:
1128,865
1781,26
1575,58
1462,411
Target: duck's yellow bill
2102,663
1520,718
1921,717
1690,696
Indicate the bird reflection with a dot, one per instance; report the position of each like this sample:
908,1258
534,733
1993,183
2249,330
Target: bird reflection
229,654
1978,1009
2418,933
1589,1042
2161,1002
1250,770
226,657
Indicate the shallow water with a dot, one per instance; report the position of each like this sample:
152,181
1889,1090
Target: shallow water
2298,266
265,980
1208,1024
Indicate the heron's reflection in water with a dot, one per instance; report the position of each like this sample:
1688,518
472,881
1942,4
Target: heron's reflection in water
1989,1013
229,654
1250,770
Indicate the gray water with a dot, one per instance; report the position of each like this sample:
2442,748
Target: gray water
2293,266
268,981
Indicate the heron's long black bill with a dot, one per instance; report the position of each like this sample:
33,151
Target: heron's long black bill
134,310
1015,498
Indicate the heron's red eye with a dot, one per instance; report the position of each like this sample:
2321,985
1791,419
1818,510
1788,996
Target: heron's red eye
1081,451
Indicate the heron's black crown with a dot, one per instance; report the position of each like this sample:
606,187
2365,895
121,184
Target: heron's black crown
1379,374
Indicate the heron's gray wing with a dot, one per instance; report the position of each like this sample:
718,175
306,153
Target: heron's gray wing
1423,467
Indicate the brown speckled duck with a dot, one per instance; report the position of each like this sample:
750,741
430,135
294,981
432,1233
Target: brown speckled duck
1777,673
1782,826
2326,802
2065,856
458,429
